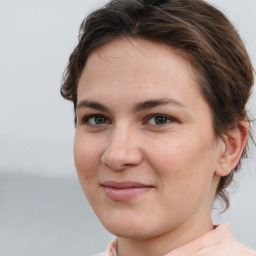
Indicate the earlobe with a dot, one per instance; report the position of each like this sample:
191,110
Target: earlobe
232,148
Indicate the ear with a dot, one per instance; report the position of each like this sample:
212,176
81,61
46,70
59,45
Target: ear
232,148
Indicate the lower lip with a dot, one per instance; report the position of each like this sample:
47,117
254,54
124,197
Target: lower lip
124,194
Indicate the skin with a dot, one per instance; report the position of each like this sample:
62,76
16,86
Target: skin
176,152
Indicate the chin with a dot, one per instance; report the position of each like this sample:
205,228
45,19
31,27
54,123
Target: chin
123,226
127,232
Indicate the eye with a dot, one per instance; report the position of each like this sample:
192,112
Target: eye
159,119
95,120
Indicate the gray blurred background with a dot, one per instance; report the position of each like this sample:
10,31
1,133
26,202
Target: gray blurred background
42,208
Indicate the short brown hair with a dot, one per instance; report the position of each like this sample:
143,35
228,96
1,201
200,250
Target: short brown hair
213,46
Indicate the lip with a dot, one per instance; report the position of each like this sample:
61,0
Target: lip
123,191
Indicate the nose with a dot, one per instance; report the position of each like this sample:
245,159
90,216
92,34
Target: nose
123,149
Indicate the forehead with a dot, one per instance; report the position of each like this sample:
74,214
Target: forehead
137,52
138,69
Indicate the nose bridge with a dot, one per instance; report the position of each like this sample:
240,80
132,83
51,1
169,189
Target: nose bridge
122,149
122,136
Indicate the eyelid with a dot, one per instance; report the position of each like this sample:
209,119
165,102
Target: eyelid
159,115
85,119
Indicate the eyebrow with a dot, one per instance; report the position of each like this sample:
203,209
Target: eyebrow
91,104
144,105
148,104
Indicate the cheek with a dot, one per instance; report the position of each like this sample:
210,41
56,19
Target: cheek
87,160
183,163
173,154
86,157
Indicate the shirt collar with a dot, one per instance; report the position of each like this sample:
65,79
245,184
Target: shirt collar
217,236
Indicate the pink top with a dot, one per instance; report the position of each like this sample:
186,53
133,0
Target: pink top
218,242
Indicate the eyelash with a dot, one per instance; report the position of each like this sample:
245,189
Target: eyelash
86,119
167,118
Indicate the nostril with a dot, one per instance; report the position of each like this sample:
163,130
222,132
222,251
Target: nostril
118,160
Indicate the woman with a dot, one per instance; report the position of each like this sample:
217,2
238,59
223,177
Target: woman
159,91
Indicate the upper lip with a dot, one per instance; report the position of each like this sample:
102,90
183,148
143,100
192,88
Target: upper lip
124,184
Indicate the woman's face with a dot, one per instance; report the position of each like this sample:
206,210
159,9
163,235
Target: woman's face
145,149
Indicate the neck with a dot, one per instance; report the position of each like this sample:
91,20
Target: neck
165,243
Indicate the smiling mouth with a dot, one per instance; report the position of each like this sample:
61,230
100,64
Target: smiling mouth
123,191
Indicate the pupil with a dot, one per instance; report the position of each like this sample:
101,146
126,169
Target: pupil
99,120
161,120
